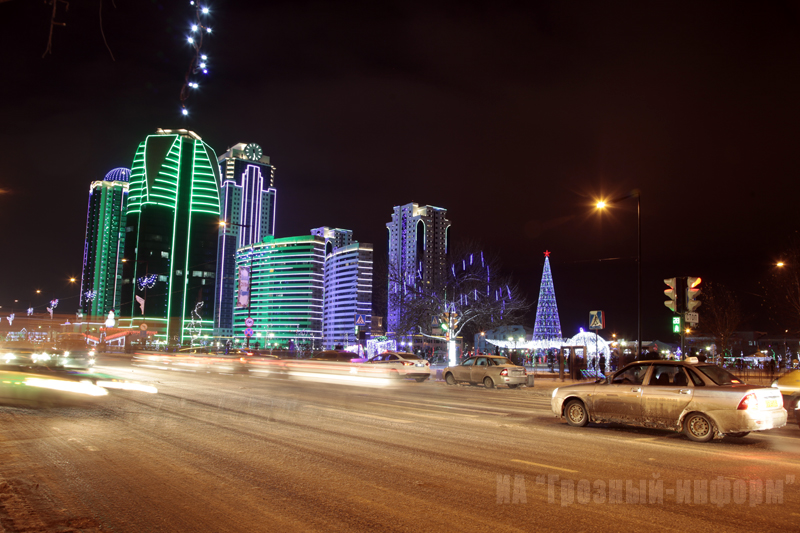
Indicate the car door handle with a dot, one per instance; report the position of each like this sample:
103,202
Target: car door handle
636,389
685,391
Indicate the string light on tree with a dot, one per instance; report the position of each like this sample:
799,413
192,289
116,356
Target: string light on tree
146,281
548,325
199,62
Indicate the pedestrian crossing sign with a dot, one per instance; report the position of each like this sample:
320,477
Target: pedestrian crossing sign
597,320
361,320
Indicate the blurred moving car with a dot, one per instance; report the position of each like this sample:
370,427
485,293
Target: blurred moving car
789,385
47,357
191,359
339,356
702,400
491,370
399,365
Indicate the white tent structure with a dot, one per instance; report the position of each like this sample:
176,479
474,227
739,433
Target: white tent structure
595,346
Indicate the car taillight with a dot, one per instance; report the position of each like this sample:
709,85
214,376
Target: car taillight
748,402
504,372
408,363
427,363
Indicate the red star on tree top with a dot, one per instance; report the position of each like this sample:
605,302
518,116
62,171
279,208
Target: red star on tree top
547,253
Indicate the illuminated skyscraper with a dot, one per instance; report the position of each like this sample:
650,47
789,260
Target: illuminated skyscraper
283,292
348,286
419,242
102,250
171,236
248,210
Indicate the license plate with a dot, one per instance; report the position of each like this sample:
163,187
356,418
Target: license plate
772,403
420,364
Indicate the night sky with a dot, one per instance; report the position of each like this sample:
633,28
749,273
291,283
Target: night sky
514,116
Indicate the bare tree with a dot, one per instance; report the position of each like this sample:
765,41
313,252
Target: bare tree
722,314
472,295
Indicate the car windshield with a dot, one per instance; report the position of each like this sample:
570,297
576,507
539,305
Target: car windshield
718,375
500,361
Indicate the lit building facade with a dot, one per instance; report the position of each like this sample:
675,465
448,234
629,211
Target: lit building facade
248,210
282,292
104,244
348,286
419,243
171,237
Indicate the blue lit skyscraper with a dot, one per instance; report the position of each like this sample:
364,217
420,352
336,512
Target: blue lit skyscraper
348,286
418,248
248,210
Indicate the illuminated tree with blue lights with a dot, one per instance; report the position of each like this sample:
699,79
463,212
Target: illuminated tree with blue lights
548,326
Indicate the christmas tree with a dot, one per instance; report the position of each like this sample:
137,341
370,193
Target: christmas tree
548,326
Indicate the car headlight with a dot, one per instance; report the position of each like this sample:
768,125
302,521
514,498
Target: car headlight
775,384
554,392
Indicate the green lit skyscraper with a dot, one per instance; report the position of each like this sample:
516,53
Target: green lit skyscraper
282,291
171,236
102,250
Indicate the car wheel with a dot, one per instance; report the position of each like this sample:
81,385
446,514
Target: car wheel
698,427
575,413
488,383
513,385
738,435
420,380
394,374
449,379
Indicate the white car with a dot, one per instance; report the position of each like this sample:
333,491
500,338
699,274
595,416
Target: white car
700,399
398,365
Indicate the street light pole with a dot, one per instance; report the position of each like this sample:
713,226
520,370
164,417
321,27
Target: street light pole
639,265
602,204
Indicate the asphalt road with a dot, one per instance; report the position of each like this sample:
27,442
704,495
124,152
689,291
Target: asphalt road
223,453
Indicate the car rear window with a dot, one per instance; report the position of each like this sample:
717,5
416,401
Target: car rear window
500,361
718,375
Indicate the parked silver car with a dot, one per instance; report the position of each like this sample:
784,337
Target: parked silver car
490,370
702,400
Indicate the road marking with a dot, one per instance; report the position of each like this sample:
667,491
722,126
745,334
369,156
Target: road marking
361,414
543,466
418,409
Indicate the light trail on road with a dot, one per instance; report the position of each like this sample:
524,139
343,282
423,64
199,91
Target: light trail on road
216,452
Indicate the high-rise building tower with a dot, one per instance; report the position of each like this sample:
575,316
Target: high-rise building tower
105,239
418,248
334,237
548,326
171,236
281,290
348,286
248,210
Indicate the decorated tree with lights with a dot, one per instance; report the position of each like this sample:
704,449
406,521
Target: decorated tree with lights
548,326
471,296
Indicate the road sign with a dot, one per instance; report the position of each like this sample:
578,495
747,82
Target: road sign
361,320
692,318
676,324
248,322
597,320
248,332
143,327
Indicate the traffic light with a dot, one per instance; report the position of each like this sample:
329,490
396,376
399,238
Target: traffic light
675,304
692,292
